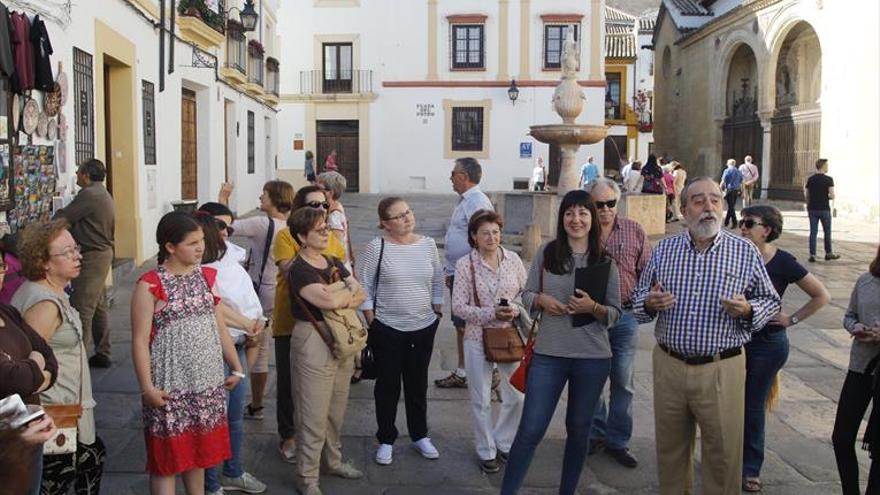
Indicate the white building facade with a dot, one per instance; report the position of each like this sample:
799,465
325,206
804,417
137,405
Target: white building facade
168,144
400,89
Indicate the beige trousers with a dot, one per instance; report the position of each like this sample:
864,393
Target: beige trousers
709,395
320,393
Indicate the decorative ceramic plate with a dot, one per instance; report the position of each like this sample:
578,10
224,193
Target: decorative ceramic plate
30,116
62,127
52,130
52,100
42,124
16,112
62,85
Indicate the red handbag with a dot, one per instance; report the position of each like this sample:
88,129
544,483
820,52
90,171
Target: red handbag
519,377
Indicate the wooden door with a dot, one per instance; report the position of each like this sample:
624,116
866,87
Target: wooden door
794,149
743,136
342,136
188,161
554,167
615,152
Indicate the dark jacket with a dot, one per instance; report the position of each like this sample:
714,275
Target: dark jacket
18,373
43,79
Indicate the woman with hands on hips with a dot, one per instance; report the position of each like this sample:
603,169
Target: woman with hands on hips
564,354
179,343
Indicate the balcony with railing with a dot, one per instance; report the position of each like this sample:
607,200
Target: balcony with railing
255,68
272,80
235,67
201,22
336,84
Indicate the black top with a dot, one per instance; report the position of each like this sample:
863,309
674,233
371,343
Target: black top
301,274
43,79
783,270
7,65
18,374
818,185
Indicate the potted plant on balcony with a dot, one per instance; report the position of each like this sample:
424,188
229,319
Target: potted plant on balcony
255,48
210,15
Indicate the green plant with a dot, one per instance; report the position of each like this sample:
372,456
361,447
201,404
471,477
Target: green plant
200,9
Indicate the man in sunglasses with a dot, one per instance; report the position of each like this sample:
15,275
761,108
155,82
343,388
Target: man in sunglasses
626,242
92,219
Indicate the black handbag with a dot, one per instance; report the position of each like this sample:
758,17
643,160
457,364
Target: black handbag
368,360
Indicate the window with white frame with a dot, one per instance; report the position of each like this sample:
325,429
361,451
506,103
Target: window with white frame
468,46
554,36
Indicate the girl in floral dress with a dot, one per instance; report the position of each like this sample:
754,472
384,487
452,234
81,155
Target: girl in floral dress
179,342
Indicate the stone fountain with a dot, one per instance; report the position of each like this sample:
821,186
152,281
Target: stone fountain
568,102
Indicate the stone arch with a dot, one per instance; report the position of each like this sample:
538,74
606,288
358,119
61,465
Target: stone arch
795,91
741,130
728,49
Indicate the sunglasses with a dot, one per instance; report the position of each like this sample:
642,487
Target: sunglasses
611,203
223,226
318,204
749,223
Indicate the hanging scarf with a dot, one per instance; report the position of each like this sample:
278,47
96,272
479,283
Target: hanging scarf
871,441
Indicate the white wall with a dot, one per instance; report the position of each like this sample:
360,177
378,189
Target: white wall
211,96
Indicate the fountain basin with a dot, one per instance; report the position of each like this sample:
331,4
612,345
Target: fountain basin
568,133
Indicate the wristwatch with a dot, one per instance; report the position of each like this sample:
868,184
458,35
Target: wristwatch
794,320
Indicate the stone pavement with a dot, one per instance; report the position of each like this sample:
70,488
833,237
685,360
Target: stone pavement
799,455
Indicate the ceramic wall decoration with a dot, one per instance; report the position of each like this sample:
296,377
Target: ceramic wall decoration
30,116
42,125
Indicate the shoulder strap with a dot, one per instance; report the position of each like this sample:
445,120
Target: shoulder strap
474,281
326,338
538,317
266,246
378,270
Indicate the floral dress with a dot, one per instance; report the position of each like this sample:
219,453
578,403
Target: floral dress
186,361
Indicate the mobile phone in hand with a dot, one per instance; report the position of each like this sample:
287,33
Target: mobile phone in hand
503,302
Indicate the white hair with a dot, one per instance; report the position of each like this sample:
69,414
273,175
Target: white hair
606,182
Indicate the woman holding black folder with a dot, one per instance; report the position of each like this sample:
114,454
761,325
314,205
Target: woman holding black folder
577,289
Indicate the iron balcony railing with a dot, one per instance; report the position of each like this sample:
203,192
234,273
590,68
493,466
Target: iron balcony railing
314,82
236,50
255,68
272,71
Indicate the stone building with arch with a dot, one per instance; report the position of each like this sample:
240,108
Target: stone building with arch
786,81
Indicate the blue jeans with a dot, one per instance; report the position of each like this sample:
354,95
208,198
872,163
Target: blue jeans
614,422
817,216
547,376
235,416
765,355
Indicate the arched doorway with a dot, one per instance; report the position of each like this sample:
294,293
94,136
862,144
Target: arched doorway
797,118
742,128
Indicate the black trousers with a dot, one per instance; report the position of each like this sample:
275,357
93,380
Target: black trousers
401,355
284,393
854,399
82,470
731,197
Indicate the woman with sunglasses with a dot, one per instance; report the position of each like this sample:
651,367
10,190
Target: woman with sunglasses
262,231
284,252
768,349
321,381
403,281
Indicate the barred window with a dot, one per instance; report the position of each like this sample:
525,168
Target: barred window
554,36
251,143
467,128
467,46
149,117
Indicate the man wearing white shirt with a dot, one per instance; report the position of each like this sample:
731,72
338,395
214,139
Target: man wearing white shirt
749,172
465,177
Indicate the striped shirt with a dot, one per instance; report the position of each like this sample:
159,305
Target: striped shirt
697,325
628,246
410,281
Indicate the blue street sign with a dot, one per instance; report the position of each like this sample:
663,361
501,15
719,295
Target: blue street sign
525,150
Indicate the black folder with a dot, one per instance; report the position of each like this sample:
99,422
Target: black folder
593,280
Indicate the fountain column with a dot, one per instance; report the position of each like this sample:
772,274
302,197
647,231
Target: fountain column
570,175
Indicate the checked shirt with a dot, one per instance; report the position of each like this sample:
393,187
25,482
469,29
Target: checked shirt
628,246
697,325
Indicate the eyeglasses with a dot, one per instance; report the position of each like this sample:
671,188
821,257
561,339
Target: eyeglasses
602,204
400,216
318,204
70,253
322,230
749,223
223,226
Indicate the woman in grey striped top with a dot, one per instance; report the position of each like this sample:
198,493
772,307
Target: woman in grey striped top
403,280
579,356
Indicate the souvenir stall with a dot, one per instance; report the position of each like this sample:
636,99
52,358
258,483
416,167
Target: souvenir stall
32,123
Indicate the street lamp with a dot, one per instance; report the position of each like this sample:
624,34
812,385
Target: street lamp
248,15
513,92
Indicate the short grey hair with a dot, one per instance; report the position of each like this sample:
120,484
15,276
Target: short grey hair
684,192
606,182
731,161
334,183
471,167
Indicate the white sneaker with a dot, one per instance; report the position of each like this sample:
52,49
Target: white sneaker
218,492
244,483
384,454
426,448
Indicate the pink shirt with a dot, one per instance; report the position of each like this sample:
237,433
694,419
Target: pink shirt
492,285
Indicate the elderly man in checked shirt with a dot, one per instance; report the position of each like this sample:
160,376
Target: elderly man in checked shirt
709,291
